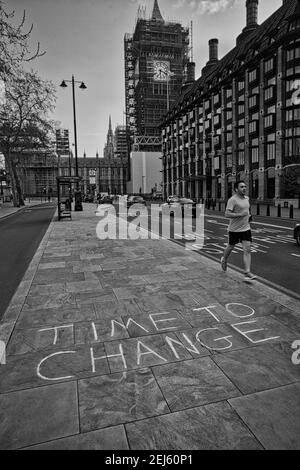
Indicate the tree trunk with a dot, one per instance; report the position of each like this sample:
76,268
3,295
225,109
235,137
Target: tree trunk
9,166
11,179
18,185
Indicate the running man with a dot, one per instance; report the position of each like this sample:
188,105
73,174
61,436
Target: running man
238,211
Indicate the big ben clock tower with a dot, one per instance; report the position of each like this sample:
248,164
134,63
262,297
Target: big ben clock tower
156,56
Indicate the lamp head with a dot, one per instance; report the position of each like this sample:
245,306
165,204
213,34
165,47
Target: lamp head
82,86
63,84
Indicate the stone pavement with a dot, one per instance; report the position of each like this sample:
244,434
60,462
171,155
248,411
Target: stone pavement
141,344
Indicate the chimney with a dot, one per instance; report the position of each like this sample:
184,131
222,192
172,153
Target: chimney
252,13
213,55
213,50
252,17
190,72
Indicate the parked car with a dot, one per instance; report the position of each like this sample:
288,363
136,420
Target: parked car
135,200
297,233
175,202
106,200
172,199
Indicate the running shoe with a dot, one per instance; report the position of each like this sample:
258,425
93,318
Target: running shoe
224,264
249,277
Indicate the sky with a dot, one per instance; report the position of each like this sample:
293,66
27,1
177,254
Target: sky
85,38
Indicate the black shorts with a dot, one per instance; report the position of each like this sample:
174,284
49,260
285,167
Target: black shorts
238,237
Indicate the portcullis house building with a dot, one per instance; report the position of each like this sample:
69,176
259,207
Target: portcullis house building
241,118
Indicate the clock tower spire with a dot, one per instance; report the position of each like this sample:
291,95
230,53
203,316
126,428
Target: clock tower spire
156,14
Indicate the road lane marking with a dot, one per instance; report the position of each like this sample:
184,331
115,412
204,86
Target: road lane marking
256,223
297,256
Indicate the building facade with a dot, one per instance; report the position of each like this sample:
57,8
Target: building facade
241,118
156,57
62,141
98,175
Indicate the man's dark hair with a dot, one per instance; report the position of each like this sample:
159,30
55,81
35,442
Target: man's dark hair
236,185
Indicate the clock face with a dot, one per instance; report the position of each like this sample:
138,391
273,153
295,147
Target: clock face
161,70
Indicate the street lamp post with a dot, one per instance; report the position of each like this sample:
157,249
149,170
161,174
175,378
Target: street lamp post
78,200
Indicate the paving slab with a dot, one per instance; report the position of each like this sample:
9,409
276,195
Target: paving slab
193,383
113,438
273,416
210,427
38,415
119,398
258,368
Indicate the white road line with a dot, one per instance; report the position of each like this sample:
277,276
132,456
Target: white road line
297,256
256,223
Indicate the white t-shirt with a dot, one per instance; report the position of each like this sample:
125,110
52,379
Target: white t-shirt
238,204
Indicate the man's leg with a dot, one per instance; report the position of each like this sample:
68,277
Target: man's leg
247,256
225,256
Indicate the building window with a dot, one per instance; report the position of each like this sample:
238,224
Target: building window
269,93
252,101
241,157
241,86
217,120
252,127
292,54
271,151
254,155
269,65
252,75
241,109
292,85
269,122
216,98
241,132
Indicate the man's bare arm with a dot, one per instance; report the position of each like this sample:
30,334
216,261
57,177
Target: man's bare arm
233,215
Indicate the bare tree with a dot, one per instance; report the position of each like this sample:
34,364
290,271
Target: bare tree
14,42
24,121
25,99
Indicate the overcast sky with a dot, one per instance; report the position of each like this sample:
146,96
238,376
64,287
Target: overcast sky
85,38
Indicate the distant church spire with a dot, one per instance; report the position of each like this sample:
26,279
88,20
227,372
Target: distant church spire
109,147
156,14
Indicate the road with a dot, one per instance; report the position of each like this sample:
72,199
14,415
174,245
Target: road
20,235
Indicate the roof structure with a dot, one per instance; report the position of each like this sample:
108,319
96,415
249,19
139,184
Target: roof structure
247,47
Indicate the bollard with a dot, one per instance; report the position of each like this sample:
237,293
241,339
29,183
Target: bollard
291,211
268,210
279,210
220,206
258,209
